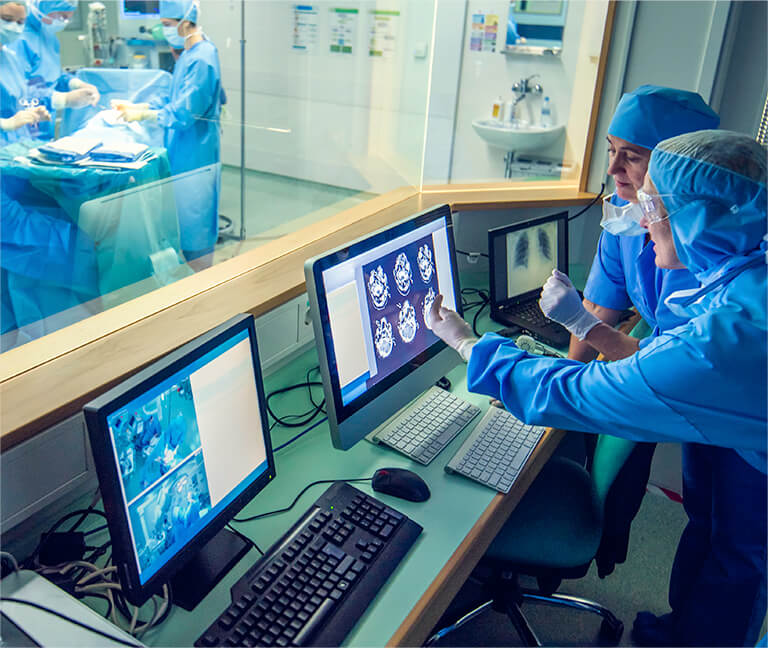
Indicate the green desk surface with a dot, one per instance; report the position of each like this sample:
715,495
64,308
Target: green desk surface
447,517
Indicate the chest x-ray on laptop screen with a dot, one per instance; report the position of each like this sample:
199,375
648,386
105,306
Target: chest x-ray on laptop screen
370,304
522,257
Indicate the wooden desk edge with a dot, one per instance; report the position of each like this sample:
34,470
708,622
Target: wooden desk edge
414,630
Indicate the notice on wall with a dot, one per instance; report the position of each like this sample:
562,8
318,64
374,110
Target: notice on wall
383,33
343,27
304,27
484,32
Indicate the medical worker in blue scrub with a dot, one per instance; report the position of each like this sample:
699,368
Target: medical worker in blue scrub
191,121
624,274
18,114
39,48
46,264
702,383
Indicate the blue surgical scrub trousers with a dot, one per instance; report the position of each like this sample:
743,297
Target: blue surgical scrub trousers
717,587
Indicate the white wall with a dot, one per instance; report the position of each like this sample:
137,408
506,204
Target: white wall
486,75
346,120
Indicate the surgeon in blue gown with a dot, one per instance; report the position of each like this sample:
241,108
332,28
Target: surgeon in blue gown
624,272
18,114
190,117
702,383
39,49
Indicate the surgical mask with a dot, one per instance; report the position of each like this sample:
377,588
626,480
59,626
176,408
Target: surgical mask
58,24
621,220
9,32
171,34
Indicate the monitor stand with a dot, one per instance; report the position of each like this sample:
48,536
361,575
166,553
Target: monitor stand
206,568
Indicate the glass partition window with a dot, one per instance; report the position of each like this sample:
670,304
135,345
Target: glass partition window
143,141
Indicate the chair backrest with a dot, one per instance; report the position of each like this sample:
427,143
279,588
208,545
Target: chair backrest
610,455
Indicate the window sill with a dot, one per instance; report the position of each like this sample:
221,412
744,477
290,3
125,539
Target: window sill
48,379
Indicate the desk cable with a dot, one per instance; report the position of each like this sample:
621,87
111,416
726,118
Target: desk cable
251,518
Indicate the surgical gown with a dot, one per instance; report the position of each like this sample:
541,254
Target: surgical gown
702,383
191,121
14,94
48,266
39,48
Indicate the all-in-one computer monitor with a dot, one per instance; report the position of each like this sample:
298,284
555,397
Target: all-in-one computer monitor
179,449
370,304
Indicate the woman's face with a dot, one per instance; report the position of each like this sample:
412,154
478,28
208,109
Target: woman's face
627,163
661,234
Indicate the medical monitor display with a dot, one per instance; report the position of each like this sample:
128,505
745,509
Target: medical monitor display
140,8
180,444
531,257
524,255
372,300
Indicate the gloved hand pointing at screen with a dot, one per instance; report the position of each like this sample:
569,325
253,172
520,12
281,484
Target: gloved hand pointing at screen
451,329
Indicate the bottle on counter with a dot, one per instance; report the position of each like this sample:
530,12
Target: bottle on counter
546,114
497,112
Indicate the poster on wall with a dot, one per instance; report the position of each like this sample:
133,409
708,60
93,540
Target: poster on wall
343,28
401,287
304,27
484,32
383,33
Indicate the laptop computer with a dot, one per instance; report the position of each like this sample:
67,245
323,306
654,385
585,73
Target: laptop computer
522,257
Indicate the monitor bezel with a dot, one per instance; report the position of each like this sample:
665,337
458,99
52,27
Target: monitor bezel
499,233
96,413
339,412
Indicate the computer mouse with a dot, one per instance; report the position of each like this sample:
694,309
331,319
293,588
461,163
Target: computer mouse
401,483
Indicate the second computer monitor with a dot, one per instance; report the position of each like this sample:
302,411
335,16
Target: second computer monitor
370,303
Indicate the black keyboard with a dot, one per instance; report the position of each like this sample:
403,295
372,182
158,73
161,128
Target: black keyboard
314,583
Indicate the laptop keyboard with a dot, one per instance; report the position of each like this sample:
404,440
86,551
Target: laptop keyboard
531,313
427,425
496,451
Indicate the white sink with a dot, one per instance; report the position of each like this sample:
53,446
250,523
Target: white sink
512,137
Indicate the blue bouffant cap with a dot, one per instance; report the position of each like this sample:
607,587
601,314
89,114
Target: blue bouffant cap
180,9
49,6
650,114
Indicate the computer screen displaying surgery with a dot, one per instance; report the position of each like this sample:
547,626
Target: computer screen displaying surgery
186,448
378,303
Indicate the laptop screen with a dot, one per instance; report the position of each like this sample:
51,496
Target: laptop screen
523,255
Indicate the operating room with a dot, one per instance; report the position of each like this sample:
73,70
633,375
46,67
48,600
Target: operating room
166,165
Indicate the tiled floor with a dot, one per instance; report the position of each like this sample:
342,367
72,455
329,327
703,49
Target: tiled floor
275,206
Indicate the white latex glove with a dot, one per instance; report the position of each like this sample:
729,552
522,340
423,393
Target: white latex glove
123,104
138,114
451,329
76,83
560,302
79,98
24,118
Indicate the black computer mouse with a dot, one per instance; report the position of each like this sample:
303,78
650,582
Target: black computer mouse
402,483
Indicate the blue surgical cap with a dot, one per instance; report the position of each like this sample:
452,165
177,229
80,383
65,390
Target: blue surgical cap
49,6
713,183
179,9
650,114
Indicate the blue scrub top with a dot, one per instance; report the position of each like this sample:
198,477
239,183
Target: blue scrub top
13,90
190,117
624,273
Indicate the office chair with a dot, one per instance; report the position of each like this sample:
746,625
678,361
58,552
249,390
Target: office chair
554,533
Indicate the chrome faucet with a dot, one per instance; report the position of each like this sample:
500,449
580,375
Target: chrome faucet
524,87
